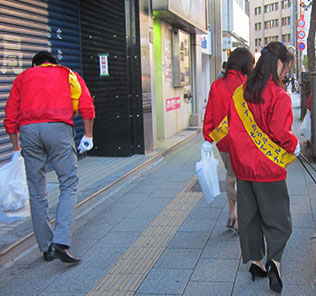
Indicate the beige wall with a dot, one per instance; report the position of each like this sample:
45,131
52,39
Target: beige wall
175,120
261,18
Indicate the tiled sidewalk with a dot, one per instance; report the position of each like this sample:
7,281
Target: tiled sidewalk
95,173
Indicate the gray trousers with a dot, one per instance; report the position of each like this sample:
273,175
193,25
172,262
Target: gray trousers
53,141
263,213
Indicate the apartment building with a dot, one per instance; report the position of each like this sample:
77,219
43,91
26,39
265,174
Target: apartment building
272,20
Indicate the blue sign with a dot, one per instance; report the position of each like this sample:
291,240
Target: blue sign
301,46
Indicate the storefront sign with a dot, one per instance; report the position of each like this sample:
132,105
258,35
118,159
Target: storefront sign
193,11
173,104
206,45
103,61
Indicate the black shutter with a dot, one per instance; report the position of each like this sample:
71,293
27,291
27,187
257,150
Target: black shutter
105,30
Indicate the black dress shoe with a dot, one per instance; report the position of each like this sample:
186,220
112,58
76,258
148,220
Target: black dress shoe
46,258
256,270
275,280
58,251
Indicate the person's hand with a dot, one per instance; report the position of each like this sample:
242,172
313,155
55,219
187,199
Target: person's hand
86,144
297,150
15,155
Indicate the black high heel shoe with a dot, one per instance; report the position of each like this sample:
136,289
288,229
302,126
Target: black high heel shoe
256,270
275,281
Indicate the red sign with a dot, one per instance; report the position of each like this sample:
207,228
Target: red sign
173,103
301,23
301,34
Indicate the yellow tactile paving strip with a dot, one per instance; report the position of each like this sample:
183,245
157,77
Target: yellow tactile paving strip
129,271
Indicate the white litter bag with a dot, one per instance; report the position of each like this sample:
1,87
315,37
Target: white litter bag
206,171
13,189
306,126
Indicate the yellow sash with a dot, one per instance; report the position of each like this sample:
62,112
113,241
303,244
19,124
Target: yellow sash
220,132
274,152
74,85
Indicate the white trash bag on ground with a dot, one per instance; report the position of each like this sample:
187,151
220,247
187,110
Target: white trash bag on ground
306,126
13,188
206,171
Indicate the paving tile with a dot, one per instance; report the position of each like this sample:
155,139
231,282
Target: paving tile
221,250
205,213
165,281
178,258
133,224
246,287
119,239
195,288
92,231
199,225
303,209
76,280
220,232
100,257
189,240
216,270
298,290
303,221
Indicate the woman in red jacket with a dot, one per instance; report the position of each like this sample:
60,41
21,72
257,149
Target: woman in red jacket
262,146
239,65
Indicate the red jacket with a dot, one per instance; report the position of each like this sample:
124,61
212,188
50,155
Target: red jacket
41,94
275,118
219,99
309,102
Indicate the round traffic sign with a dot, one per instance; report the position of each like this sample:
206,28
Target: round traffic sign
301,34
301,46
301,23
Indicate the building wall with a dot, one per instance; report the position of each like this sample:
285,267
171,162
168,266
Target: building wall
279,18
215,23
178,119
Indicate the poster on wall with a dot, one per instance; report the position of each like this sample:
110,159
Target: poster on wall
184,57
103,62
168,61
173,104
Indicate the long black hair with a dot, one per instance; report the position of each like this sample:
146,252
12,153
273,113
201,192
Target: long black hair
241,59
43,57
266,66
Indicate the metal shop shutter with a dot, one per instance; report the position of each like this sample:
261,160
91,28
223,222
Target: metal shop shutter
27,27
106,29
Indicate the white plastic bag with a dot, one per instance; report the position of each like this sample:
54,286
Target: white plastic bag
206,171
13,188
305,128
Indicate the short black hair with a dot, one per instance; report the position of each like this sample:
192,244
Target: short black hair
43,57
241,59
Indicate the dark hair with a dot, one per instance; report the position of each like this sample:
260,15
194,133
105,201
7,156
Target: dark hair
43,57
242,60
266,66
224,65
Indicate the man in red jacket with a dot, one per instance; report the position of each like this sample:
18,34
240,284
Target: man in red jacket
40,108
